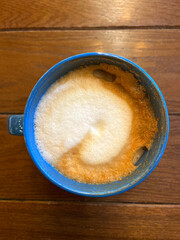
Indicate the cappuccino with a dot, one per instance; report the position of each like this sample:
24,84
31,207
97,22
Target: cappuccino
91,123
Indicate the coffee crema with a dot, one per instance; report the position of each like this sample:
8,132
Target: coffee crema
91,123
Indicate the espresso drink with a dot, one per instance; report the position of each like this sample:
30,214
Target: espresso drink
94,123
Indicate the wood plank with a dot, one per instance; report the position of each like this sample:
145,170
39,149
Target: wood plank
25,56
20,179
67,220
102,13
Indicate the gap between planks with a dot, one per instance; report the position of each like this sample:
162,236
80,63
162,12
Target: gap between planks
159,27
148,204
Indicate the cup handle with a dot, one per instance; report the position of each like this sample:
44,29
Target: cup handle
16,124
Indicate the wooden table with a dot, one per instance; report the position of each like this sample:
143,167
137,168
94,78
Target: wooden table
34,36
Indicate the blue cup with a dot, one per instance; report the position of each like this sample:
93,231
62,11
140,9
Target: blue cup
24,125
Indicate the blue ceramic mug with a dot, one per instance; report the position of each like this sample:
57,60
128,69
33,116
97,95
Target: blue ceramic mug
24,125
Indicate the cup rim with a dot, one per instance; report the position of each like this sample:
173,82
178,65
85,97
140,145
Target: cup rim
117,190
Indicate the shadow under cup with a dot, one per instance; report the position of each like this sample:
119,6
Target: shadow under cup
148,161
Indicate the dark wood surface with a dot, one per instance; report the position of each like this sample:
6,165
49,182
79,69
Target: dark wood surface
69,220
25,56
101,13
34,35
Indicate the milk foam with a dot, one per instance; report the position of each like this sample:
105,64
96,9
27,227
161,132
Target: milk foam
79,111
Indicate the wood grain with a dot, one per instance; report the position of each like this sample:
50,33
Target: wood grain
53,220
25,56
20,179
102,13
34,35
